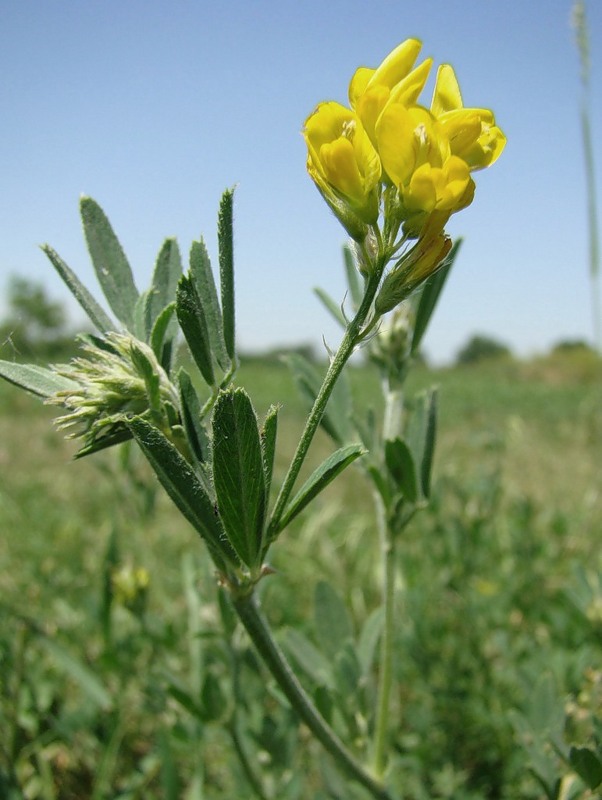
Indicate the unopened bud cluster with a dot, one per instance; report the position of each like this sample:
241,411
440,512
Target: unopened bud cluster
117,377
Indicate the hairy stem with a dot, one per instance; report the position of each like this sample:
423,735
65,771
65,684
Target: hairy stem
258,629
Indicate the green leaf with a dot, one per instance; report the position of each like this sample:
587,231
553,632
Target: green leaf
268,445
331,620
369,638
309,658
401,467
183,486
196,434
37,380
331,306
429,297
337,417
110,264
95,312
202,276
159,337
194,327
238,474
226,269
587,765
319,480
354,280
421,437
162,292
80,673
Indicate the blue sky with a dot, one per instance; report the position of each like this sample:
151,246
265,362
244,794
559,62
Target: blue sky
153,107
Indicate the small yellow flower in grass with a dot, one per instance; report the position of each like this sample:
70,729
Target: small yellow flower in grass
342,161
471,132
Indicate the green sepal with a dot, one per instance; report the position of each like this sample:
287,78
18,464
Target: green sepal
225,239
319,480
204,283
37,380
110,263
184,487
429,296
94,311
334,308
194,327
422,430
196,433
268,445
238,474
402,468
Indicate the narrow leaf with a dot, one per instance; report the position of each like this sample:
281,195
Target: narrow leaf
112,268
309,658
162,292
429,297
337,418
191,418
331,620
159,332
238,473
421,437
268,445
80,673
202,277
225,238
194,327
37,380
401,467
369,638
319,480
95,312
587,765
183,486
354,280
332,306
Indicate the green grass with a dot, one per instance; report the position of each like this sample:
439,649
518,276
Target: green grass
497,579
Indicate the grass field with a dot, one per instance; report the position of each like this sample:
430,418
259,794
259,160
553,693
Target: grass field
110,688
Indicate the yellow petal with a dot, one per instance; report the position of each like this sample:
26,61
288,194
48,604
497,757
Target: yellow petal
446,96
358,84
397,143
408,89
397,64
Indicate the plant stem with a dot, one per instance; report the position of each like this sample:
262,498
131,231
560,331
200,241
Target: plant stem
258,629
352,336
385,681
392,429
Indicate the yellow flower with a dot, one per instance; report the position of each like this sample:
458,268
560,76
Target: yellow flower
472,132
370,90
416,156
341,158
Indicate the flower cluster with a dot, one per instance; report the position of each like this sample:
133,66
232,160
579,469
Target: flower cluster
394,170
117,377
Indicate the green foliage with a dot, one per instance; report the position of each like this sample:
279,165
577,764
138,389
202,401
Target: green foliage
35,327
480,348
